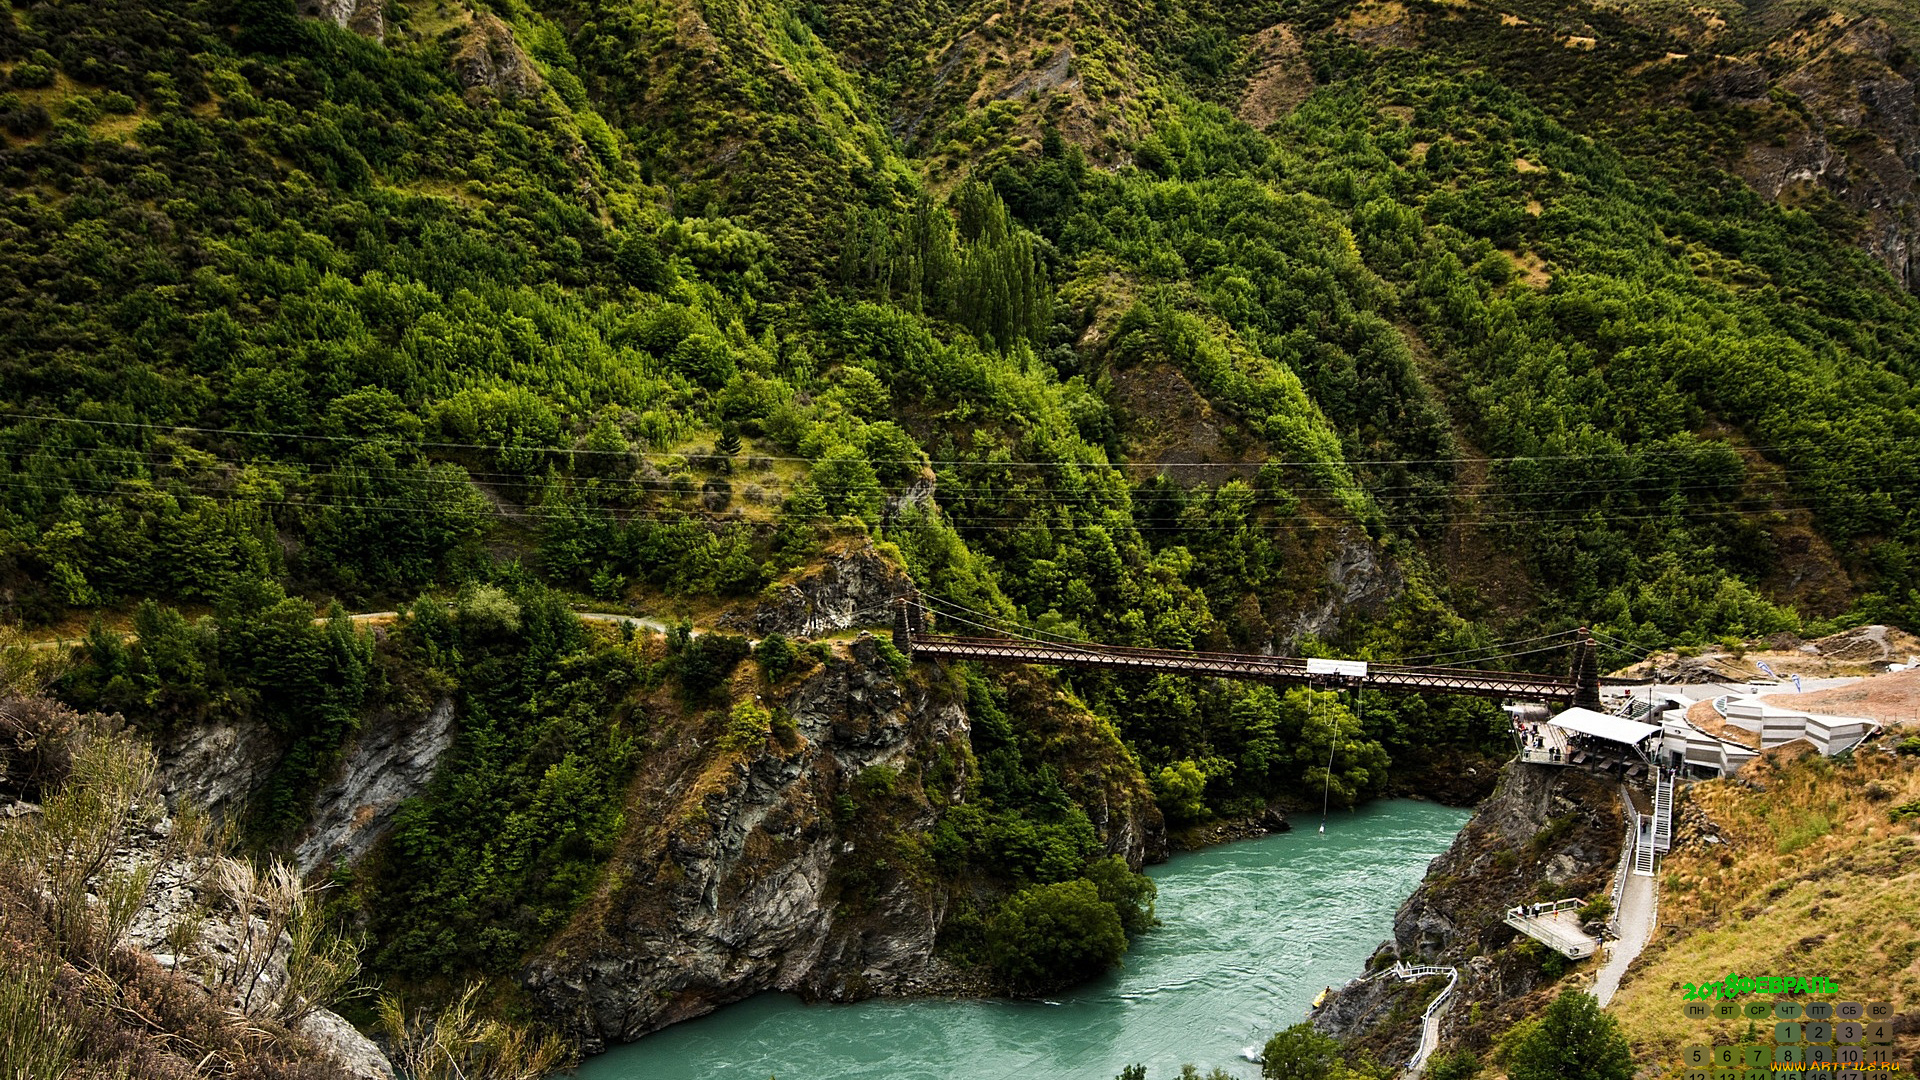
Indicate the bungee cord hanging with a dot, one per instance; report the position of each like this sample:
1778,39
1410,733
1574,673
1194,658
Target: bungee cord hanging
1333,741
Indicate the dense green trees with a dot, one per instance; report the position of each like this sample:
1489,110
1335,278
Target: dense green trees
1292,278
515,828
1459,1065
261,657
1049,936
1573,1038
972,265
1299,1053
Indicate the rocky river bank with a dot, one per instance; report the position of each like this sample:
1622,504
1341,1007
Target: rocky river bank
1546,833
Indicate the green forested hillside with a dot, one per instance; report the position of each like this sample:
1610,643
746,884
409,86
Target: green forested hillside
651,302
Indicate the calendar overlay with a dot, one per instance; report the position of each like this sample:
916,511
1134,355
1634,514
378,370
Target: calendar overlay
1844,1040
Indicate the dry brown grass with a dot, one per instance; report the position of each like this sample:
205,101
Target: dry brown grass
1281,77
1813,878
75,1000
458,1042
1530,269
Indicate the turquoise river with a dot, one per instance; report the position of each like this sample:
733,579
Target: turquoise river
1250,933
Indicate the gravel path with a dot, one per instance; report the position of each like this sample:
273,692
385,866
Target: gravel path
1638,905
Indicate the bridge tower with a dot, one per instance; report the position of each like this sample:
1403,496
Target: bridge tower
906,623
1586,671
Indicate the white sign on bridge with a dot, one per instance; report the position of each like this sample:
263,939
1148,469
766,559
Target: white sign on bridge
1352,669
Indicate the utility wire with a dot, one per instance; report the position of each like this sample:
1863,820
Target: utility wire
1136,501
961,523
1415,493
995,624
441,444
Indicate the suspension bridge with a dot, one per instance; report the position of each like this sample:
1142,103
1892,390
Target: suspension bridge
1581,686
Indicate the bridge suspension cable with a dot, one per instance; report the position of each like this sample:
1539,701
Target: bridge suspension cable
1425,658
997,623
1504,650
1468,665
1581,687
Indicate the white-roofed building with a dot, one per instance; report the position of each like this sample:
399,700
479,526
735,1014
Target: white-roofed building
1716,728
1599,725
1686,746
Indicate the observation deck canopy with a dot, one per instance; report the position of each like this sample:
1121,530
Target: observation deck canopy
1581,736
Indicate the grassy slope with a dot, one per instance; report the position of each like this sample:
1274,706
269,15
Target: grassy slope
1812,879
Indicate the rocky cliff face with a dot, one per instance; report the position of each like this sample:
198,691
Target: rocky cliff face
1853,130
848,589
219,766
1546,833
790,865
390,762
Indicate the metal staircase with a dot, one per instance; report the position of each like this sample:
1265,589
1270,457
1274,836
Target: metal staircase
1644,856
1663,813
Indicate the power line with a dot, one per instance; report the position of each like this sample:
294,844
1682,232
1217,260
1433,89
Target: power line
961,521
997,626
1625,454
1136,501
1488,652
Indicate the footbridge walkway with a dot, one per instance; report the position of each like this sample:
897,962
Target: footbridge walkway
1582,687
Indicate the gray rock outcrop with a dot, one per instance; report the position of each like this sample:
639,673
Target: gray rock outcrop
343,1044
217,766
391,762
849,589
490,62
1359,579
743,880
1855,133
365,17
203,917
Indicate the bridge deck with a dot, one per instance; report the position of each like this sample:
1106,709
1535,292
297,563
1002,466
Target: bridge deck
1247,666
